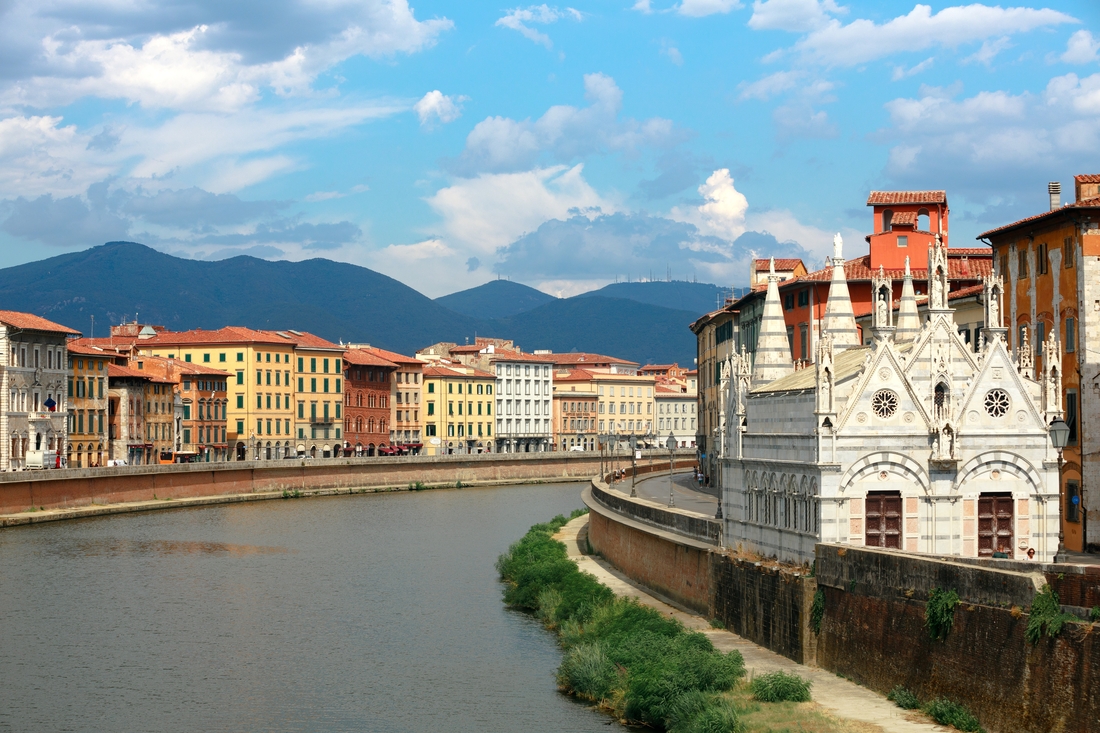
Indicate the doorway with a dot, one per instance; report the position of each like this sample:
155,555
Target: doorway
995,524
884,519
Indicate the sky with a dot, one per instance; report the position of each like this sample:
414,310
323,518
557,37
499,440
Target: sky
563,146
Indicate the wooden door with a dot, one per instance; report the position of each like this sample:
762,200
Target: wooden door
995,524
883,519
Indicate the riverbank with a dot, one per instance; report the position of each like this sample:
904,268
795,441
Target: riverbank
38,516
854,708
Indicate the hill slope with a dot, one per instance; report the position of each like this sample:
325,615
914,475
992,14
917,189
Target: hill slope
699,298
495,299
335,300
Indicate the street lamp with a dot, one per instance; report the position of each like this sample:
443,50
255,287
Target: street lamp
1059,436
671,445
633,465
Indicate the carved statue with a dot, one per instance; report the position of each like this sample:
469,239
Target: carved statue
881,309
937,292
994,310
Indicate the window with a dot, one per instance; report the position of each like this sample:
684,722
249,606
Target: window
803,334
240,402
1071,335
240,356
313,365
259,376
240,427
1069,252
259,402
1021,262
187,357
1040,334
1073,501
240,377
1071,415
1003,267
324,364
206,357
324,382
313,384
269,356
803,299
431,387
221,357
903,240
431,408
187,413
788,301
301,384
337,385
186,435
1041,265
790,343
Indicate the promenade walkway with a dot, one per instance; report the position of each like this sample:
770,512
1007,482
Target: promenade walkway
837,696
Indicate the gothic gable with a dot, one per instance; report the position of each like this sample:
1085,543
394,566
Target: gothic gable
999,398
883,398
940,357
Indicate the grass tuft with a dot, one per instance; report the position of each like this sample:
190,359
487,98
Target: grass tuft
949,712
939,612
780,687
1046,614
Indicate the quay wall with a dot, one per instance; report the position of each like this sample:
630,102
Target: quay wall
69,488
873,630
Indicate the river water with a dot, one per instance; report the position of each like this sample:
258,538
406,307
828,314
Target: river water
362,613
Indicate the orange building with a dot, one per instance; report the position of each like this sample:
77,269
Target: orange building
1050,263
368,384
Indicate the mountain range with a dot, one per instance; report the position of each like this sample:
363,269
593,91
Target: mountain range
118,281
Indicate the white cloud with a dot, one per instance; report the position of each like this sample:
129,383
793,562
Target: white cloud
492,210
785,227
324,196
900,72
673,54
770,86
520,19
1081,48
722,213
702,8
435,105
564,132
860,41
988,51
642,6
792,15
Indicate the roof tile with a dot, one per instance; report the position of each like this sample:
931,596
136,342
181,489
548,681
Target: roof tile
31,322
906,197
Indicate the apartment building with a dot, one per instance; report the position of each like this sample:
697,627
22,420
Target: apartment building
458,414
200,407
368,389
88,445
575,414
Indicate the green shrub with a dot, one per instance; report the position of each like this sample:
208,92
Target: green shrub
1094,613
1046,613
817,611
903,698
641,664
780,687
939,612
948,712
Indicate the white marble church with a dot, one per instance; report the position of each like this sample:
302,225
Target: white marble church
914,442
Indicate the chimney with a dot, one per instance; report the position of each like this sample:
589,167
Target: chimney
1054,188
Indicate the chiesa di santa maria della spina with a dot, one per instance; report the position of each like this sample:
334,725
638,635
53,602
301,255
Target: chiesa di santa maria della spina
914,442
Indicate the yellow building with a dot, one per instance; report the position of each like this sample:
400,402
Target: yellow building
88,404
260,390
458,410
318,395
624,403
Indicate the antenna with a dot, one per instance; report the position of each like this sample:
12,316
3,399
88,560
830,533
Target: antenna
93,327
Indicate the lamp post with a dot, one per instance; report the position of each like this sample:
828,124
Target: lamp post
600,440
633,465
671,445
1059,437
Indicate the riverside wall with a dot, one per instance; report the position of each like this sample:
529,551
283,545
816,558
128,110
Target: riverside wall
70,488
873,630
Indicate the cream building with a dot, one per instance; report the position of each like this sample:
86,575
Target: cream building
458,409
676,414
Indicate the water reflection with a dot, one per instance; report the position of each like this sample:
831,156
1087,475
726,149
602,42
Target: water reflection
362,613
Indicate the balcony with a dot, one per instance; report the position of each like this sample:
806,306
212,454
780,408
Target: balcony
320,420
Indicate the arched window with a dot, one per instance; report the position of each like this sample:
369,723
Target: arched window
923,221
887,220
942,398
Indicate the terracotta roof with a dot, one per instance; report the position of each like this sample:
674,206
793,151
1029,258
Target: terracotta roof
1087,178
226,335
79,346
781,264
453,373
364,357
581,357
959,268
306,340
1093,203
573,375
906,197
520,356
31,322
121,372
904,218
392,356
184,367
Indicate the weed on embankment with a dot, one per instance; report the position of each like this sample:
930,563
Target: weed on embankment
643,667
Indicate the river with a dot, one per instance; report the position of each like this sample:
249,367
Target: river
361,613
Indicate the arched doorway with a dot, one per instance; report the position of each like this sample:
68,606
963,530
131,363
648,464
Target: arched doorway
240,451
267,451
313,451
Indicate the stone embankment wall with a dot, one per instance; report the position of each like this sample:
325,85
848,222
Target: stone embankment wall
873,630
67,488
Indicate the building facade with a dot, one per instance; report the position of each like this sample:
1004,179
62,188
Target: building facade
458,414
369,384
88,445
676,414
128,394
33,402
318,396
914,442
716,340
1049,263
524,390
575,412
201,403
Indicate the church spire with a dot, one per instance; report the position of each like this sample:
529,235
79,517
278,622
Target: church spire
908,324
840,321
773,351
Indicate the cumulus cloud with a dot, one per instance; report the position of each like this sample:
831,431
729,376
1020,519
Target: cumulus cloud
207,66
702,8
491,210
435,106
563,134
838,44
521,20
792,15
993,144
722,213
1081,48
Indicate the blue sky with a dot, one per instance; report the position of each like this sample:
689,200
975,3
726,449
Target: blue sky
564,146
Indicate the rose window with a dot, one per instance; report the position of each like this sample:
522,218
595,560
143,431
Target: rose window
884,403
996,402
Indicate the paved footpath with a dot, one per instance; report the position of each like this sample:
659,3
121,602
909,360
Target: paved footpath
836,695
